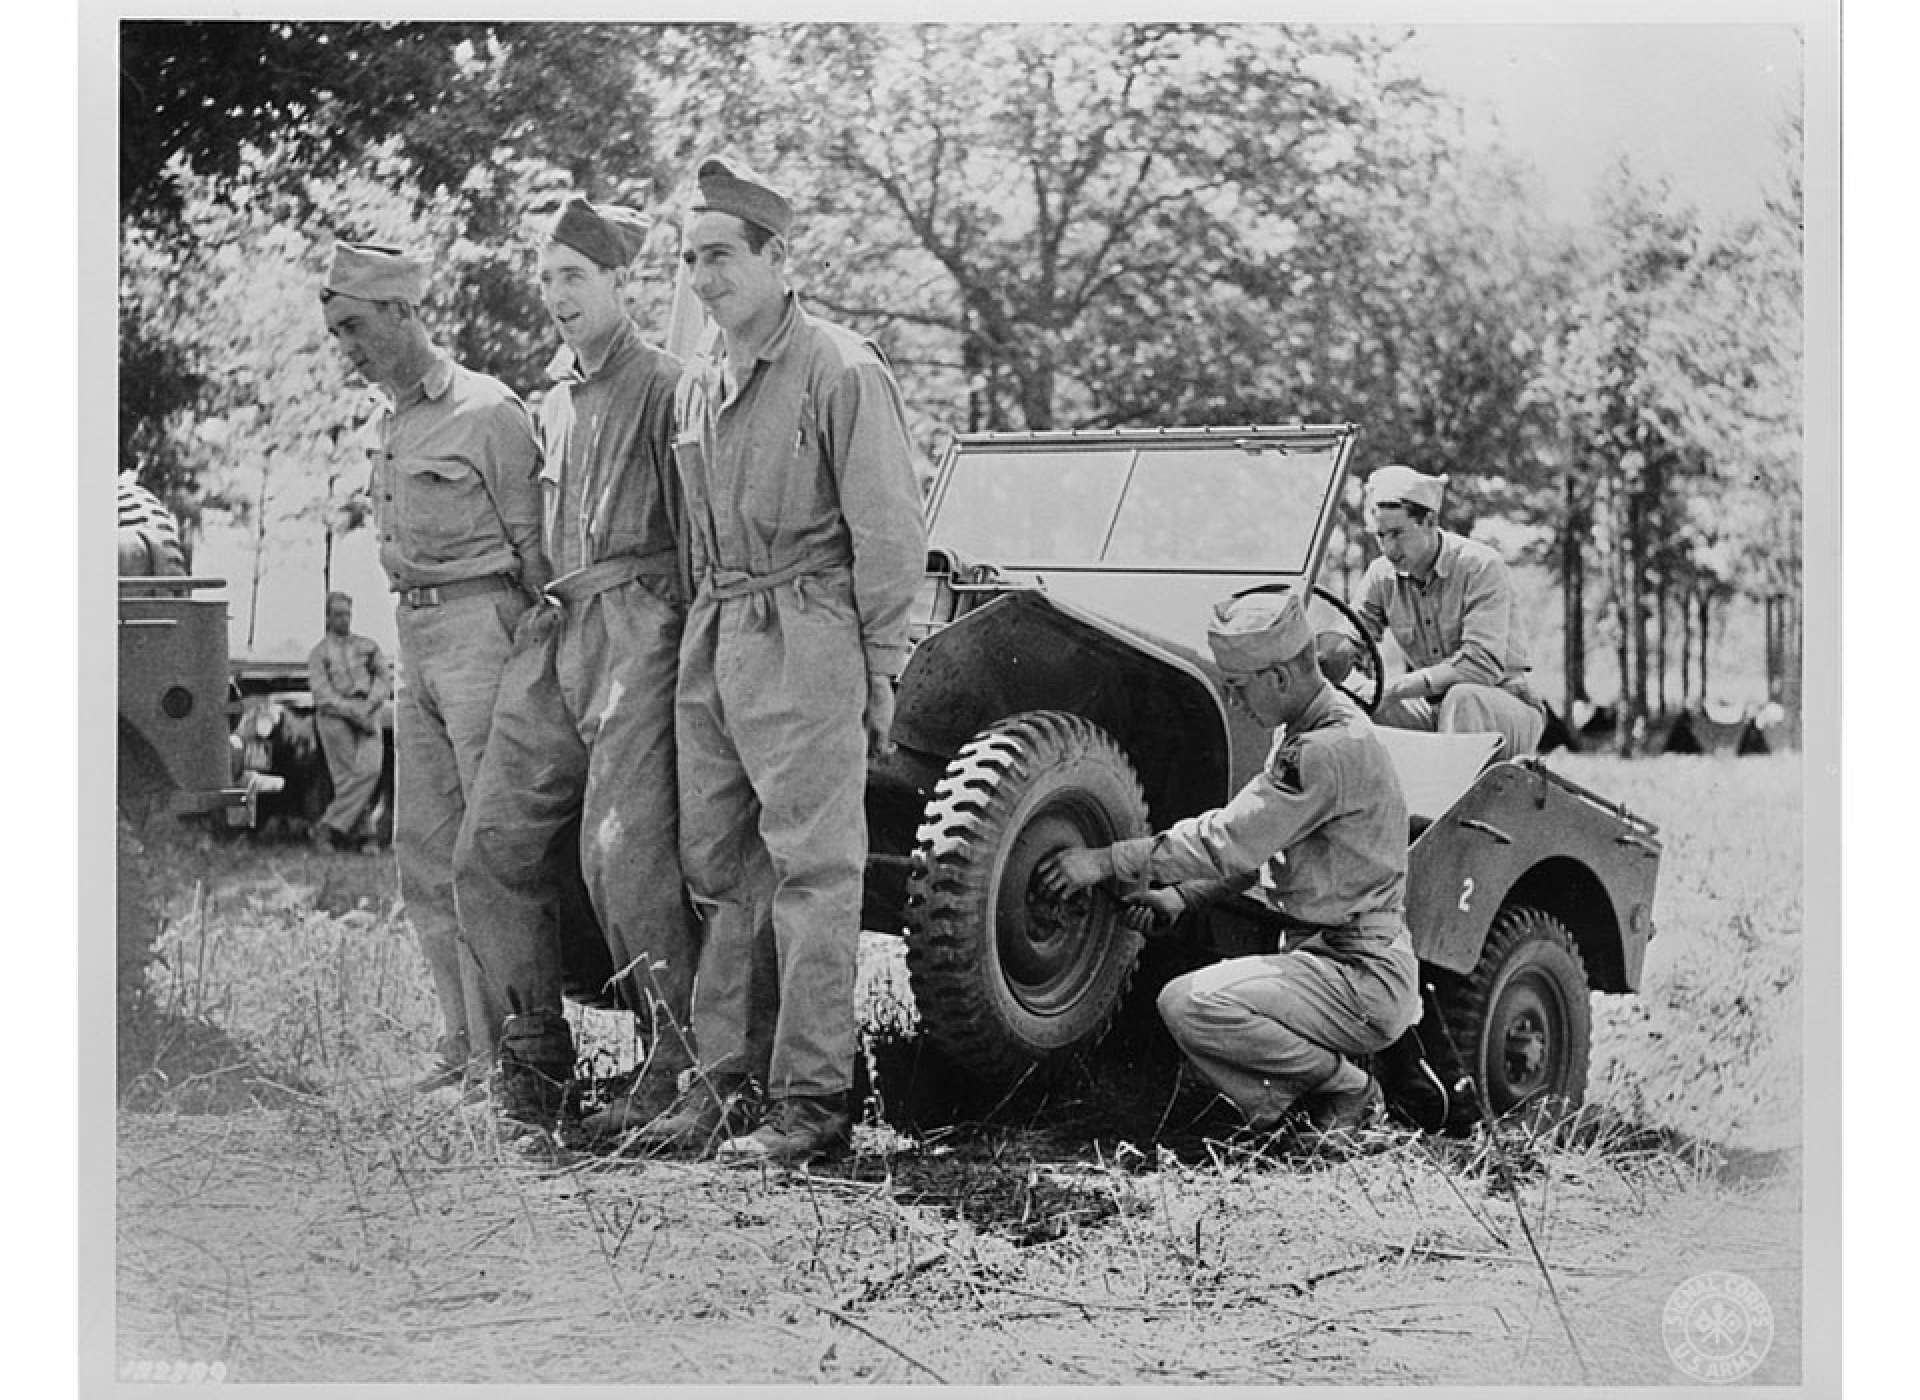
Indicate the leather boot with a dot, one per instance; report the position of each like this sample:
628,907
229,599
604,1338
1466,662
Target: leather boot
796,1129
534,1070
652,1093
708,1111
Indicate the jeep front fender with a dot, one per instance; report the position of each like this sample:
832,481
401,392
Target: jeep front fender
1029,651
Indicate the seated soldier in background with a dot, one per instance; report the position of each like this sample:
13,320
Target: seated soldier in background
1450,605
1319,836
351,686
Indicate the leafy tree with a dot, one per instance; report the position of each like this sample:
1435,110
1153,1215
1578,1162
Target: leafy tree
1083,225
488,116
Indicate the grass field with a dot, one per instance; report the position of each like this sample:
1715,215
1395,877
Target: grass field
288,1210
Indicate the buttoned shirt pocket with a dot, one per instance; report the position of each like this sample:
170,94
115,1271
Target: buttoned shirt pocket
442,510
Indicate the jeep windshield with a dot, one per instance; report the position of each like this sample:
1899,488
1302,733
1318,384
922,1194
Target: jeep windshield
1233,501
1147,529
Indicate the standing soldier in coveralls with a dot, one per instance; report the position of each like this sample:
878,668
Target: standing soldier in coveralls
351,685
583,728
808,545
1320,836
457,506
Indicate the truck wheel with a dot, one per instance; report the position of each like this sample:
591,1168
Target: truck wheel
1521,1020
1005,977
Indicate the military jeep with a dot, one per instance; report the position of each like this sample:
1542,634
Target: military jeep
1060,691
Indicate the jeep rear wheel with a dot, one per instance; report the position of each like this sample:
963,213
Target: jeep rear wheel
1521,1019
1004,976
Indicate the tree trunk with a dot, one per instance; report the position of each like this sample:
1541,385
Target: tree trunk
259,549
1660,647
1035,384
1573,599
1775,629
1706,623
1633,630
1687,698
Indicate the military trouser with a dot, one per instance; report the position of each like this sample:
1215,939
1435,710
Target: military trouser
773,757
451,658
354,758
1265,1030
583,728
1471,709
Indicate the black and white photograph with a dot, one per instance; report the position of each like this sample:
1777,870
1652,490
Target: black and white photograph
1015,698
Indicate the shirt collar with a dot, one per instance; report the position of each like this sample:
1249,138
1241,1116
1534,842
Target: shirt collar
567,367
1442,560
782,336
1319,710
434,384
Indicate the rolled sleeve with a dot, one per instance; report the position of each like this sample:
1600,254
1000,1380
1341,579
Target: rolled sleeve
872,455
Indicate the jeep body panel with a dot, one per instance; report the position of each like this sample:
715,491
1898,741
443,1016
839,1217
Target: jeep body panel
173,688
1524,835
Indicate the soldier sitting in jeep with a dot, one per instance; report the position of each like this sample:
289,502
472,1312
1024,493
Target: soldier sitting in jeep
1450,605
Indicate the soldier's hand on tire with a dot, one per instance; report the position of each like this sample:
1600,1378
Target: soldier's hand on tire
1073,868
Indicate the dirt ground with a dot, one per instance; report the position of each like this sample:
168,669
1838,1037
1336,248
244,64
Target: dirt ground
300,1216
312,1243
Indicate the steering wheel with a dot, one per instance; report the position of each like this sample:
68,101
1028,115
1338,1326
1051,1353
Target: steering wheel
1348,655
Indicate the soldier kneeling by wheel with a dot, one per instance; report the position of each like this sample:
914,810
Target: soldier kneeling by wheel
1320,836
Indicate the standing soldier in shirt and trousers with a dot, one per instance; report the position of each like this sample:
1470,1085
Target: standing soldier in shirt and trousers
583,727
807,541
351,685
457,505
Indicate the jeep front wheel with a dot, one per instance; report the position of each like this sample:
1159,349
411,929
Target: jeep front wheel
1004,976
1521,1019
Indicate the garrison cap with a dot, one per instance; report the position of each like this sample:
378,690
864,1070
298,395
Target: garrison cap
374,272
1403,486
1258,630
728,186
611,234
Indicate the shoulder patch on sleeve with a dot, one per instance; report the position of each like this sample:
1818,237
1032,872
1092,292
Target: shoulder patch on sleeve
1283,766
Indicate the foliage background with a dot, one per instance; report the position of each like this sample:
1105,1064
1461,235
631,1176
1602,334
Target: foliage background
1047,226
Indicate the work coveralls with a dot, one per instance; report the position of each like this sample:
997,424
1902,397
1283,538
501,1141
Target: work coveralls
457,503
351,684
583,727
808,546
1320,835
1460,629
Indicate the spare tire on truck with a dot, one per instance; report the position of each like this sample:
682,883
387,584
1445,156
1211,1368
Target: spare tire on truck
1005,977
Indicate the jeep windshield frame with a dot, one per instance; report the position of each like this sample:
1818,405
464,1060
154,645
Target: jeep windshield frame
1255,501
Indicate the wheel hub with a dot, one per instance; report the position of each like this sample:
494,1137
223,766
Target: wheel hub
1048,947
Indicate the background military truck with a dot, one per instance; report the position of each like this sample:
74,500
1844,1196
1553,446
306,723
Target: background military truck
174,753
1060,692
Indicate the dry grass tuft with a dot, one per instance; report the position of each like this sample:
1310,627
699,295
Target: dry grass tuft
290,1207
